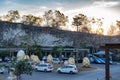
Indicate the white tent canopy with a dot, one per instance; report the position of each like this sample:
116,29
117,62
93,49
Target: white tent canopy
102,52
20,53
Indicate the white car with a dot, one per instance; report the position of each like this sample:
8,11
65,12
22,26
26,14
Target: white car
44,58
2,70
44,67
56,60
68,69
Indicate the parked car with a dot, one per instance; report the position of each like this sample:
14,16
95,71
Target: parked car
8,64
7,59
44,58
2,70
0,59
44,67
56,60
32,64
68,69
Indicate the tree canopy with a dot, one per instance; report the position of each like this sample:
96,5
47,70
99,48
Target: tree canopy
21,67
31,20
55,18
58,20
82,22
12,15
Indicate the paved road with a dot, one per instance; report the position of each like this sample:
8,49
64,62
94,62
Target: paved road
89,75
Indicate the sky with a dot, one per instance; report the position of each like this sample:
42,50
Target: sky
38,7
109,9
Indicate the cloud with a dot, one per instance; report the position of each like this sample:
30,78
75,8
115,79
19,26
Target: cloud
106,3
22,8
8,2
59,8
70,8
58,3
43,7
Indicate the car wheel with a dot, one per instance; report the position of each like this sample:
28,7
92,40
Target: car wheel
71,72
1,73
59,71
45,70
36,69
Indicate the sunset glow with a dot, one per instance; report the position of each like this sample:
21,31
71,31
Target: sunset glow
101,11
109,17
106,9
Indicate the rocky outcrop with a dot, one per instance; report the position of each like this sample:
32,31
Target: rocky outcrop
16,34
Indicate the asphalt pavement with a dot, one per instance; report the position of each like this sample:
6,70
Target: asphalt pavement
98,74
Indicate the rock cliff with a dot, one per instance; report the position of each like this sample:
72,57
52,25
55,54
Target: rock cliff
16,34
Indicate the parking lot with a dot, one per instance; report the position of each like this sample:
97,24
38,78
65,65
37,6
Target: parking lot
97,74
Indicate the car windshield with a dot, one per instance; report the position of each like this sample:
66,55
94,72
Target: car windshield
55,59
100,56
43,65
67,67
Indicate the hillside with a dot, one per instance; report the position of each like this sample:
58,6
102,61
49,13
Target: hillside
16,34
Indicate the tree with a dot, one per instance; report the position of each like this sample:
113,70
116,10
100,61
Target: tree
111,30
25,42
118,24
118,27
38,51
21,67
31,20
99,23
12,16
100,31
81,21
4,54
59,20
0,19
55,50
48,16
114,29
38,21
96,24
55,19
77,21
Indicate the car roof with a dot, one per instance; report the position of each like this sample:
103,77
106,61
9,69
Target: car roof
102,52
45,64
